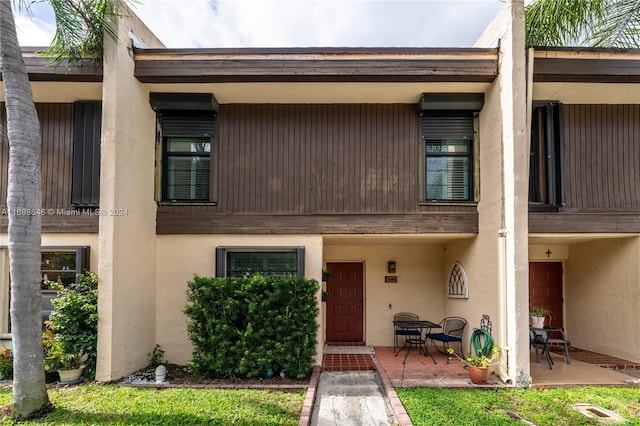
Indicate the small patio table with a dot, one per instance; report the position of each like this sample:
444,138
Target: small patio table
546,335
419,325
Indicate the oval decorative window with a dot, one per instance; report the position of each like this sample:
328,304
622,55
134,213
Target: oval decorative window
457,282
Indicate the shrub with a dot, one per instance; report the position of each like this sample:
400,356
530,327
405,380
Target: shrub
252,326
6,364
74,320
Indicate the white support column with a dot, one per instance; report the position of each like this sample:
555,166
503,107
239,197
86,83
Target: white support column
127,239
514,233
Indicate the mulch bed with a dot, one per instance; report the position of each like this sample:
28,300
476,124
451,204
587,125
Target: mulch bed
179,376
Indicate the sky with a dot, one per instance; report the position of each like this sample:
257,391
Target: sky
295,23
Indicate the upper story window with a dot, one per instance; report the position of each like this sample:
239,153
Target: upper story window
187,168
449,173
449,129
87,123
546,161
187,154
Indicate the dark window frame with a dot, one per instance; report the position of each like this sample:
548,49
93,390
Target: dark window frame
470,135
82,265
167,155
222,258
85,182
547,157
185,115
196,125
450,116
450,156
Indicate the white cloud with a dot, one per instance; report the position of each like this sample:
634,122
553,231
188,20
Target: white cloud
177,23
302,23
319,23
35,28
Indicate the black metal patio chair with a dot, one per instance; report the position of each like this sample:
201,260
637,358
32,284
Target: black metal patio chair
450,333
410,334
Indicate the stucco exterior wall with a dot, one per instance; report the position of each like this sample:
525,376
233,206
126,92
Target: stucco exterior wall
127,250
498,259
602,297
62,91
180,257
588,93
420,286
551,252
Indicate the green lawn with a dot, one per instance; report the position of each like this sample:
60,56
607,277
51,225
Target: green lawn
468,407
115,405
97,404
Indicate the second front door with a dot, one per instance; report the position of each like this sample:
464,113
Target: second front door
345,302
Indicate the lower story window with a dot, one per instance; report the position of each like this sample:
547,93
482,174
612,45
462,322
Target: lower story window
242,261
63,266
59,264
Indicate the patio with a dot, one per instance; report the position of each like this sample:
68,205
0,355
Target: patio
419,370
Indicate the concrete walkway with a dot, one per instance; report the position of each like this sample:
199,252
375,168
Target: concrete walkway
351,398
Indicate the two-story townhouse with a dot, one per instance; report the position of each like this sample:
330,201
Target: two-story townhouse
405,172
293,160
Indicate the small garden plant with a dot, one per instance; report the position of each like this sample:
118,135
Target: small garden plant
539,311
480,360
156,356
71,335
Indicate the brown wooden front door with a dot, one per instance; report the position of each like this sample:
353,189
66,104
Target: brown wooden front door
545,289
345,302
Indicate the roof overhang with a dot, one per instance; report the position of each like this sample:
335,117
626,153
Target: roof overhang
587,75
40,68
586,65
317,75
60,82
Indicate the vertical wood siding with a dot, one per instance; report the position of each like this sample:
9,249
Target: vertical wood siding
317,159
332,168
56,123
602,156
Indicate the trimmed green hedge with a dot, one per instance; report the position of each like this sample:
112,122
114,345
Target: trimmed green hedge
254,326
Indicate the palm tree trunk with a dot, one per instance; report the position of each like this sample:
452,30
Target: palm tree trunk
24,202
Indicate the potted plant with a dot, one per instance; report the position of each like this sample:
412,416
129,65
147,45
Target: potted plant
326,274
74,326
479,365
538,315
67,363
